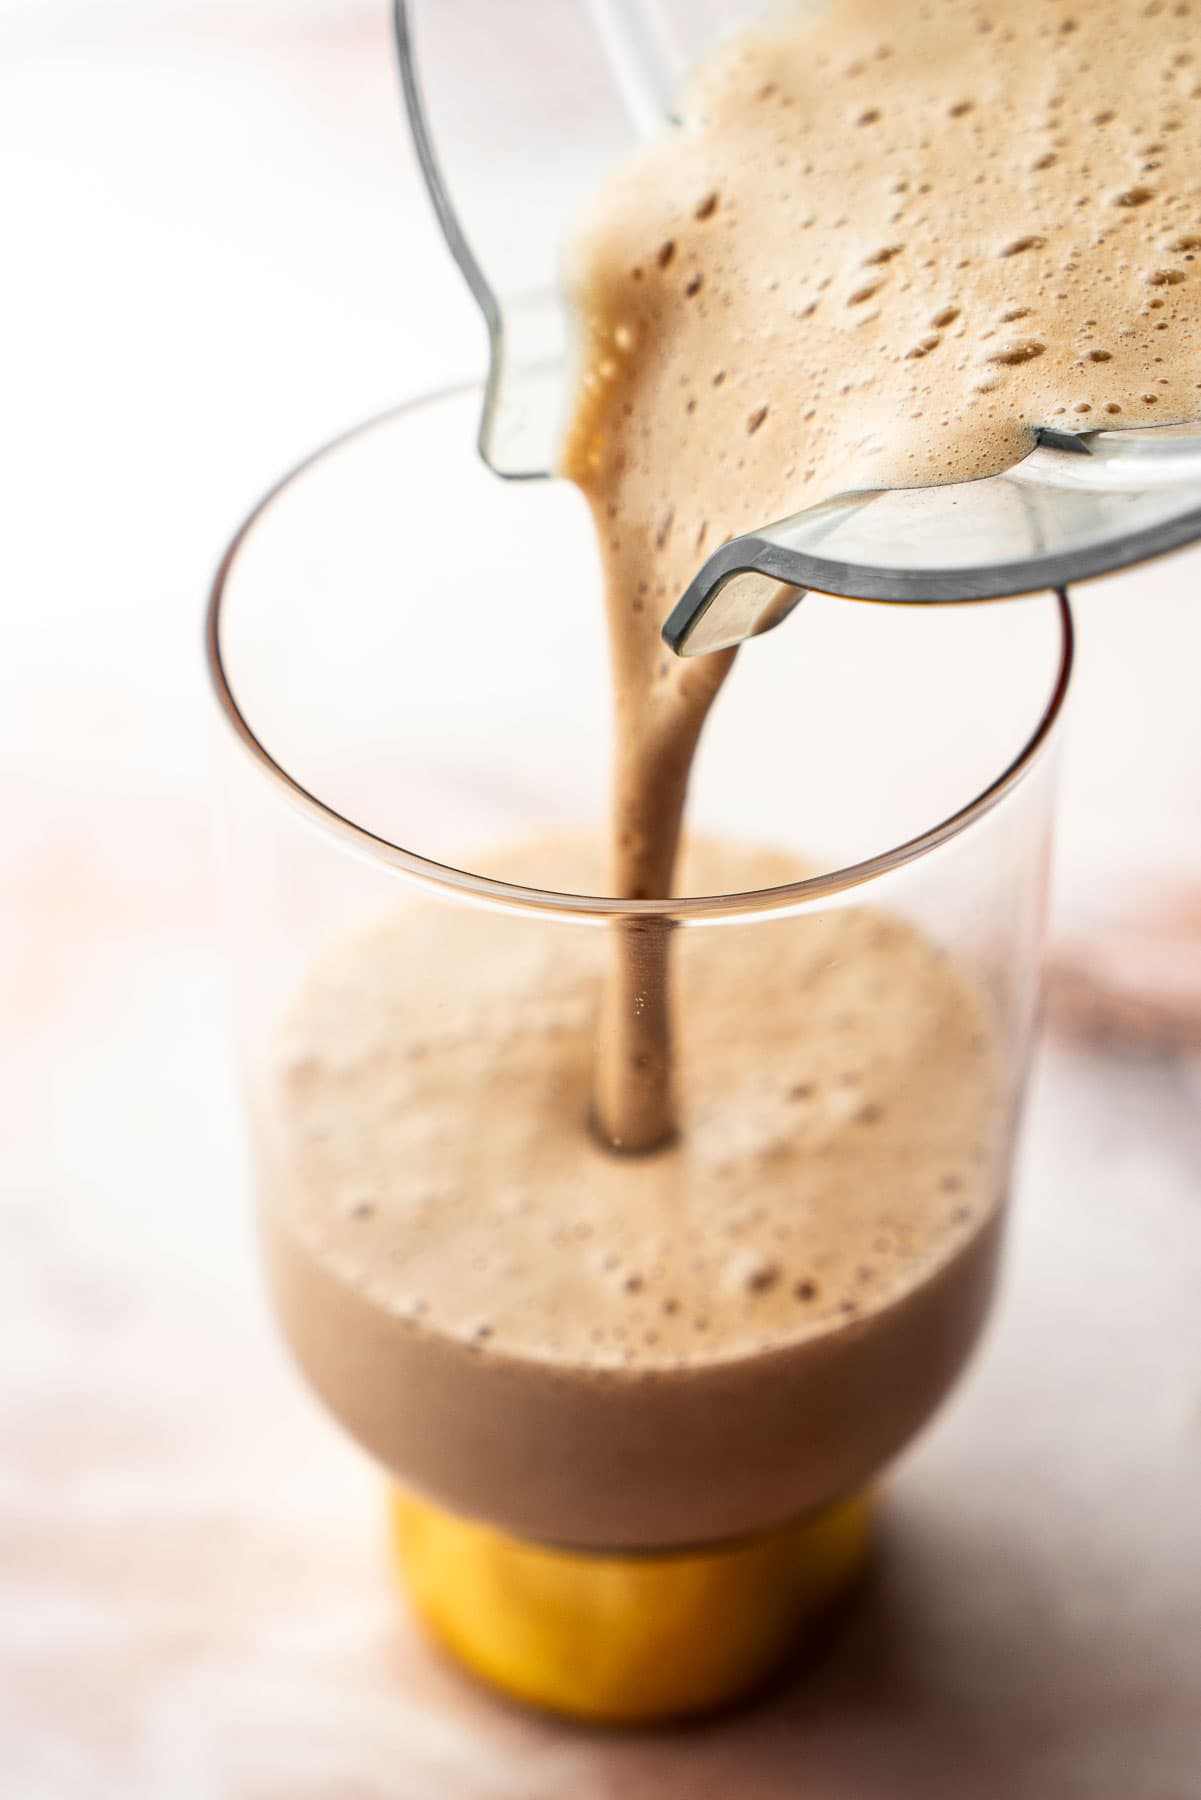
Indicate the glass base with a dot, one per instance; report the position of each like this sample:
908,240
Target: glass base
625,1640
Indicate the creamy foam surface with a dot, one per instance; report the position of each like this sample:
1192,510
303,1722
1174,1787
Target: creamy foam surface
612,1351
841,1130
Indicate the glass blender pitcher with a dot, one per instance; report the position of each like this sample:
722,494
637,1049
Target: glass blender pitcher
1079,505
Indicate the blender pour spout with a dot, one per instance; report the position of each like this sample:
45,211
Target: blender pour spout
1076,506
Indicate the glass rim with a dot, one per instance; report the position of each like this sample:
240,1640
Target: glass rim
463,883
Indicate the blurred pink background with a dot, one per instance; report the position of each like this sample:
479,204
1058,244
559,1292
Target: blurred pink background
217,256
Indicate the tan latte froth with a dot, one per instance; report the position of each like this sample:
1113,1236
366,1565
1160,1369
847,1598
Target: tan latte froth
448,1238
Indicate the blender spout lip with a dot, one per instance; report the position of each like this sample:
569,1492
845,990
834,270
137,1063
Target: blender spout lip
1074,443
737,593
717,610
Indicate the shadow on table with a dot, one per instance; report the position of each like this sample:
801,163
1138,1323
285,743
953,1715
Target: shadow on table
954,1674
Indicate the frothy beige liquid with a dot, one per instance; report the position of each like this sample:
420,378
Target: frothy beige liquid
600,1349
885,244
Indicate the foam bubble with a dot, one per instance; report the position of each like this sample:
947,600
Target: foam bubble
1012,355
751,1272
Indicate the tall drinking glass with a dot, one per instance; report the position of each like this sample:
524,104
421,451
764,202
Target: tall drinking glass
634,1407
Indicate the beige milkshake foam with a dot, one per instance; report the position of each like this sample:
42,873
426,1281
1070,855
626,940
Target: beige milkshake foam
598,1349
884,244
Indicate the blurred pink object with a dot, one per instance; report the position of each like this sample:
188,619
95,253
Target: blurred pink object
1134,982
